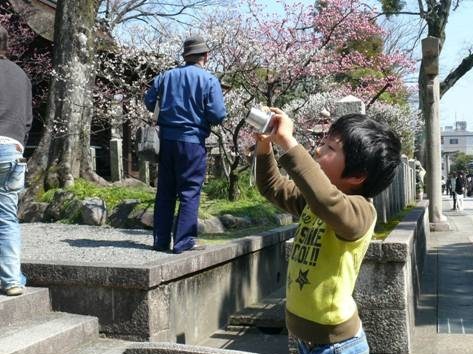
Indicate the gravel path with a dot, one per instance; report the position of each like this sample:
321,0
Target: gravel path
87,244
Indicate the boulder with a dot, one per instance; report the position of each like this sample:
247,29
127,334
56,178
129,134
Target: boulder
212,225
141,219
33,212
235,222
119,216
93,211
55,209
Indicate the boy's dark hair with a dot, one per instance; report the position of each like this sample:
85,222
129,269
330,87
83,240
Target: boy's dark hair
3,42
370,148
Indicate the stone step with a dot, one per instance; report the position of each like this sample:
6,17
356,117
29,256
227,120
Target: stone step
103,346
51,333
268,313
33,302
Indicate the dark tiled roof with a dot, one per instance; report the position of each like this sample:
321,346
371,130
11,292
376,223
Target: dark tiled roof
51,3
39,15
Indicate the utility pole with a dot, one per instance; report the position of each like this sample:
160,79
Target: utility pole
430,58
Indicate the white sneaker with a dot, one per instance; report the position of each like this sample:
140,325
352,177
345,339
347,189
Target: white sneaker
14,291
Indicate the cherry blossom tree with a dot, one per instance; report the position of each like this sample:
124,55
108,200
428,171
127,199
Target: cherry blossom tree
276,58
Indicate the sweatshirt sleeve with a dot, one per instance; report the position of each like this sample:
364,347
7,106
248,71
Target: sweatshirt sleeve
349,215
276,188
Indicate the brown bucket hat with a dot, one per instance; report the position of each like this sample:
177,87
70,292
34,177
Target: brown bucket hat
195,45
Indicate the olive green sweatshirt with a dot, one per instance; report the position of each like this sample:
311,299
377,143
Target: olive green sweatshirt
332,238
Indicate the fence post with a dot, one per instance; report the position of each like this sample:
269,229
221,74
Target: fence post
93,158
144,170
116,146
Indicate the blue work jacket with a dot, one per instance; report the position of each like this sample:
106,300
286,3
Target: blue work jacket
191,100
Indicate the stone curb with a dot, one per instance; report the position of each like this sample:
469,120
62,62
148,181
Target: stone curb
151,274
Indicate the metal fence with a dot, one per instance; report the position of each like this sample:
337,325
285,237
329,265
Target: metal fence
400,193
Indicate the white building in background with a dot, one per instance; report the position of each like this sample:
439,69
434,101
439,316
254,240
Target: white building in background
453,140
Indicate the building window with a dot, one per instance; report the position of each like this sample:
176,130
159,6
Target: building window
453,141
441,140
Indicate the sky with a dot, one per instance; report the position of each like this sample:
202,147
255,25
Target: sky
456,104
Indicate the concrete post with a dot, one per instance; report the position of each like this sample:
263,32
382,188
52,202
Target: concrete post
144,171
116,147
93,158
116,160
412,181
430,57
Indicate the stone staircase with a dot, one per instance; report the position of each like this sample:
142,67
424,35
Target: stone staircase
258,328
28,326
266,315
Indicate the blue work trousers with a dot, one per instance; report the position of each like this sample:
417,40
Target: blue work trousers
12,181
181,173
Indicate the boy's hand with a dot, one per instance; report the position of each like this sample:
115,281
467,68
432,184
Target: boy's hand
263,144
282,130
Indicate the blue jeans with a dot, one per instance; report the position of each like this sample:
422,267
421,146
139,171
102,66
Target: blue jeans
12,181
355,345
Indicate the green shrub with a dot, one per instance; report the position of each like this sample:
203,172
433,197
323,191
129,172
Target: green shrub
111,195
217,188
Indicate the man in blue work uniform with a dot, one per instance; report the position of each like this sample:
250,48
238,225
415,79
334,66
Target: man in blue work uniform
191,100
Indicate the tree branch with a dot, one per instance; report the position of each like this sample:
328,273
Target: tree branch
457,74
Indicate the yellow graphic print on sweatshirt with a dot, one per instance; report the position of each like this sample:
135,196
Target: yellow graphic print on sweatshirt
322,271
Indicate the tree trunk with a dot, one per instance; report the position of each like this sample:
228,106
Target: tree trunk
233,188
64,150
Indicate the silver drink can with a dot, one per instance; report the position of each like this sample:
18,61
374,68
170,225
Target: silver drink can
260,120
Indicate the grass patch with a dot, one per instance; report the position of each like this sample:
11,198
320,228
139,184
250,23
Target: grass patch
111,195
213,202
382,230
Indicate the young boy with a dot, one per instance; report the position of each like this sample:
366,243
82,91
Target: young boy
356,161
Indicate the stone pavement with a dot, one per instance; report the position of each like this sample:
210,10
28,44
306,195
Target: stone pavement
444,322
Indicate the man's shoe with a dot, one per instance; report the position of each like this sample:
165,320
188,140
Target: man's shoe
197,247
161,249
14,291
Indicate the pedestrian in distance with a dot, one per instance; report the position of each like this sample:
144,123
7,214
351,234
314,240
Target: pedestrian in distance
190,101
449,185
15,122
453,180
331,195
460,188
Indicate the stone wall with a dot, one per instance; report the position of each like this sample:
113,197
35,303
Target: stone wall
180,298
388,284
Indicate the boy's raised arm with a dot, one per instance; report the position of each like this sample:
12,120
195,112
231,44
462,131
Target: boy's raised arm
349,215
272,185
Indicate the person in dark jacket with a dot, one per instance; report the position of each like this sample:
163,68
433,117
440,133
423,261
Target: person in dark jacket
15,122
460,188
190,102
